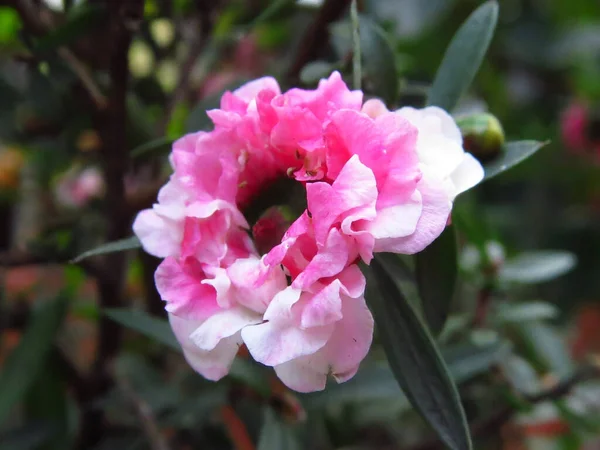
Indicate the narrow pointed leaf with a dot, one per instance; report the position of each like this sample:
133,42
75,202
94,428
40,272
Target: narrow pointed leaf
415,360
436,269
514,153
25,362
142,322
111,247
463,57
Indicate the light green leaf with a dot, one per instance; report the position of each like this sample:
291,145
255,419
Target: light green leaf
142,322
463,57
275,435
537,267
111,247
25,362
513,154
436,270
547,348
524,312
415,360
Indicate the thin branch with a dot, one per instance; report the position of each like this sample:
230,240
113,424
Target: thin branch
314,37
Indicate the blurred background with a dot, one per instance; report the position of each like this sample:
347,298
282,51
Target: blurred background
92,93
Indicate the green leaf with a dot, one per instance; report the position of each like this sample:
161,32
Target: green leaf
524,312
547,348
276,435
111,247
314,71
537,267
463,57
151,146
436,269
25,362
376,382
46,400
379,60
416,361
79,22
513,154
156,329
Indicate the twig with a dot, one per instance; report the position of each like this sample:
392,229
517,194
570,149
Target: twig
87,81
316,35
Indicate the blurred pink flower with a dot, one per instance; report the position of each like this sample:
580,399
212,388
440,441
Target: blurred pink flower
76,188
374,181
575,129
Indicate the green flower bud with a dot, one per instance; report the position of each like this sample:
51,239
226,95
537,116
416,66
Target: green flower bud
483,136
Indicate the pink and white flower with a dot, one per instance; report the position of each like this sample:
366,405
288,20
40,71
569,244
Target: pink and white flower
358,179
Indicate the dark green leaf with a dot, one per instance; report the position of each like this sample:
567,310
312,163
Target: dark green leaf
149,147
276,435
379,61
47,401
377,382
78,23
537,267
463,57
513,154
25,362
436,269
316,70
142,322
415,360
111,247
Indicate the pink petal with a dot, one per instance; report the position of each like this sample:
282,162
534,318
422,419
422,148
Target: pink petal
341,356
322,308
180,285
254,289
272,344
212,365
159,236
434,217
468,174
250,90
329,261
223,325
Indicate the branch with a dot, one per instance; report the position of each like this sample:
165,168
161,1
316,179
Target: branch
316,35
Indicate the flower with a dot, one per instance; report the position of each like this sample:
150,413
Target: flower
578,123
320,181
75,188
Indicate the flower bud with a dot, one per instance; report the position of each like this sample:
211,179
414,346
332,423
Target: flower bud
482,135
270,227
